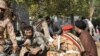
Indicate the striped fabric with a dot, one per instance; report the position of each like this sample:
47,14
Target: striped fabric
70,46
75,40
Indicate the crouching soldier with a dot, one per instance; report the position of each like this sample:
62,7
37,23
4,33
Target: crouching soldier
65,44
33,44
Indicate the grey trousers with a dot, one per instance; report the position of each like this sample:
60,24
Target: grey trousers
3,54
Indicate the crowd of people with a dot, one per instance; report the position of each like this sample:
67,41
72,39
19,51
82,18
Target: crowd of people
52,39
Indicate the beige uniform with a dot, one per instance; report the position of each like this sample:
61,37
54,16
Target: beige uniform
68,46
6,24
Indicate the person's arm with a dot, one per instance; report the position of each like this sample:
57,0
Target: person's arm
27,43
38,49
11,33
41,43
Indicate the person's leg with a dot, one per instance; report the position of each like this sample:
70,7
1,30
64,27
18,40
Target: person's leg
23,51
52,53
44,53
1,48
3,54
1,51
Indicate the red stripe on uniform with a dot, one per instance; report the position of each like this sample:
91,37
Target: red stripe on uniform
65,35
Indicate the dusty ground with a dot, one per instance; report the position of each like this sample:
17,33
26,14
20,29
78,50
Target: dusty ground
98,47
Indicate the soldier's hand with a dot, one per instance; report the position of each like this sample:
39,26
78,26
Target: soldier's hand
15,47
55,43
50,45
35,50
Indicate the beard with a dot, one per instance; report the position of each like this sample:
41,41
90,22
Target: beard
1,16
29,37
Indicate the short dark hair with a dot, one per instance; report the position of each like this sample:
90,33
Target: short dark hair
17,33
80,24
82,18
47,18
28,28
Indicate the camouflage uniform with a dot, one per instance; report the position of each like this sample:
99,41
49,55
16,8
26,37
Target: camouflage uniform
5,24
70,45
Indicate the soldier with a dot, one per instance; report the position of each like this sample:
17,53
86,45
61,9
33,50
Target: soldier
65,44
33,44
5,23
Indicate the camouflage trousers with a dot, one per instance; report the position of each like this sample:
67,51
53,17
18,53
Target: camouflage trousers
2,49
69,53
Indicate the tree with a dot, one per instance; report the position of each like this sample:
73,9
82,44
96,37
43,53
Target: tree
61,7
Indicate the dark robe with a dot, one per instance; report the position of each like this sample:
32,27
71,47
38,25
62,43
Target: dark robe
88,43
